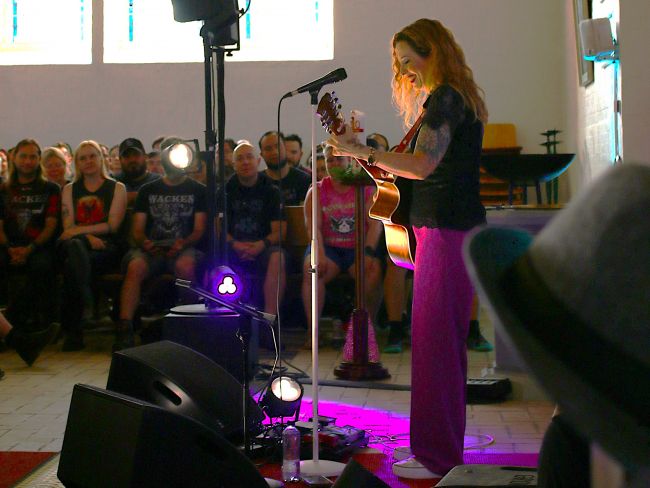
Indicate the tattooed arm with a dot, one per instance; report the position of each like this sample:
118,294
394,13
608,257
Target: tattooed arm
430,148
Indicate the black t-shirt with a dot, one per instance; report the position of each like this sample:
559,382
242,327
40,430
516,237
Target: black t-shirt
26,206
133,186
92,207
251,209
449,197
170,209
294,186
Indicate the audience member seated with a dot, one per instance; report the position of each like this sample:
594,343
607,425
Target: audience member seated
133,162
155,145
29,216
169,219
94,206
336,237
293,146
295,183
67,152
153,163
255,221
321,167
228,148
27,345
4,165
53,165
114,166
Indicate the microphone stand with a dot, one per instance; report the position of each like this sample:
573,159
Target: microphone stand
315,466
246,316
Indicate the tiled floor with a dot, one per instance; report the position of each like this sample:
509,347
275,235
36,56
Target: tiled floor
34,401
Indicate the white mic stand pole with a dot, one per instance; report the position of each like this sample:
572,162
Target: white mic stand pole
315,466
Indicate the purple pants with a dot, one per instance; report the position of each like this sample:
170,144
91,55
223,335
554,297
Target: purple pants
442,301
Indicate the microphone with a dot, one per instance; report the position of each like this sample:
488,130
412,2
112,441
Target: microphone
333,77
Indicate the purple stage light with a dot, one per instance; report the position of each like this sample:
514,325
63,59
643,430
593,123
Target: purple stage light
225,283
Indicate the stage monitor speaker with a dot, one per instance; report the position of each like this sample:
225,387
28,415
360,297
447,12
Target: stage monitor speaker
487,475
183,381
190,10
355,475
214,335
112,440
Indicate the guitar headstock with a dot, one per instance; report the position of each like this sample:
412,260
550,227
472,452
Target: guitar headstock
329,112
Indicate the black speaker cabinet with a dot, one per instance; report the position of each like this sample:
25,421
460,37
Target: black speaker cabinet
183,381
112,440
214,335
189,10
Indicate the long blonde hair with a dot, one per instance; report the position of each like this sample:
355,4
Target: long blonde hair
95,145
432,40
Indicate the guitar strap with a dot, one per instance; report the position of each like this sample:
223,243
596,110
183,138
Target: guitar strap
409,135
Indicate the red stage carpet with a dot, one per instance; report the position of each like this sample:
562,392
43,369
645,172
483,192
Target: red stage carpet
15,465
380,465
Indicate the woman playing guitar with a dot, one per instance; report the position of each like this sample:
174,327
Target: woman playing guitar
430,75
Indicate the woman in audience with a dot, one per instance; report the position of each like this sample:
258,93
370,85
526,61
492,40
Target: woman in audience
66,149
54,166
114,165
94,206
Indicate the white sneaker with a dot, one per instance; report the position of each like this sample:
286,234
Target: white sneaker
401,453
412,469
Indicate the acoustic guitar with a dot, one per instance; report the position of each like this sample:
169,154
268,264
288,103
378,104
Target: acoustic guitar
392,199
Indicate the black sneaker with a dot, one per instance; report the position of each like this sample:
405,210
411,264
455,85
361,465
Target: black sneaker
124,337
476,341
29,345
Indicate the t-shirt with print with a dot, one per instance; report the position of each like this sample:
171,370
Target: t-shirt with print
170,209
26,206
294,186
338,213
251,209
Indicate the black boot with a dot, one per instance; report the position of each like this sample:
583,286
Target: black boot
124,335
396,336
475,339
29,345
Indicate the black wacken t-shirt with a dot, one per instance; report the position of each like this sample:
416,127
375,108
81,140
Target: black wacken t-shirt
170,209
26,206
449,196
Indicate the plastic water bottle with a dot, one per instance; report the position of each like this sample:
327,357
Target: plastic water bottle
291,454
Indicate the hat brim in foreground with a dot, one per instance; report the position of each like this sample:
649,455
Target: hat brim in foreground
575,367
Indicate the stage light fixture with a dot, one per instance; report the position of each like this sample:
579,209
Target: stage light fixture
182,155
283,398
225,283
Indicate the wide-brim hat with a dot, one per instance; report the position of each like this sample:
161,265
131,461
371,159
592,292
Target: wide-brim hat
574,302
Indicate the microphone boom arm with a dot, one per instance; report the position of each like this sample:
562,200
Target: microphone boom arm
237,306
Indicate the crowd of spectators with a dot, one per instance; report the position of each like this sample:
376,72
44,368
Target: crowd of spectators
67,217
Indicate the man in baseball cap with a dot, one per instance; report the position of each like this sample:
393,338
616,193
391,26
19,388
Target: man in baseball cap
133,160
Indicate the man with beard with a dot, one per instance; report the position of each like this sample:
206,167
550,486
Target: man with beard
169,220
293,182
133,160
29,217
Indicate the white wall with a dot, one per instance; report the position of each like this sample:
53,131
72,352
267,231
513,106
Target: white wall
635,78
515,47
